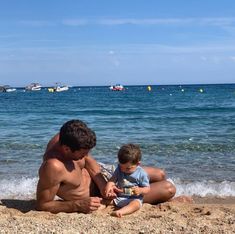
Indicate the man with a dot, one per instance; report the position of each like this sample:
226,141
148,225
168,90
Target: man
69,171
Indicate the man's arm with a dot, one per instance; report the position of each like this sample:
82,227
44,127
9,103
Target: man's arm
94,171
48,186
50,177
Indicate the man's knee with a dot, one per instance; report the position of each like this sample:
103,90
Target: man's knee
155,174
162,174
171,189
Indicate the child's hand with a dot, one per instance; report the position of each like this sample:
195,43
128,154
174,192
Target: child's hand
140,190
110,194
117,190
111,191
136,190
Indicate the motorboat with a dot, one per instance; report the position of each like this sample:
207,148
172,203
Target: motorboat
7,88
116,87
61,88
2,89
58,88
33,87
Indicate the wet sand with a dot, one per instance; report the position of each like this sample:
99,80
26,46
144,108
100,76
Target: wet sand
205,215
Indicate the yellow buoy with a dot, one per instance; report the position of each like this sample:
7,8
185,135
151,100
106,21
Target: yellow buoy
149,88
51,90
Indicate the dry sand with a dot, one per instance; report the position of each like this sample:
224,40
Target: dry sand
205,215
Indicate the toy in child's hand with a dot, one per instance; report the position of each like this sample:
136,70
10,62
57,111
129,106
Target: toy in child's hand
128,191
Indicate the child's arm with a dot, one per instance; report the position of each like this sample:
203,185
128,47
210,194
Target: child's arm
143,185
140,190
111,189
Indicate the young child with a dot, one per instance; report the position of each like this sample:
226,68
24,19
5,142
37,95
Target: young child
129,182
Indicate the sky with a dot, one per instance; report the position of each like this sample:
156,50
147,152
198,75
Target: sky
104,42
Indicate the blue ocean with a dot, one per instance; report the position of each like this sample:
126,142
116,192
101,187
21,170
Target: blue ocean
187,130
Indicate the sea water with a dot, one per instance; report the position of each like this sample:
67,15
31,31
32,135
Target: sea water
187,130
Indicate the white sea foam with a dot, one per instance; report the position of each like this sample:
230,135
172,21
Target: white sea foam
205,188
25,188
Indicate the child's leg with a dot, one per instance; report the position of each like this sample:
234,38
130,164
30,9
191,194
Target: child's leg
128,209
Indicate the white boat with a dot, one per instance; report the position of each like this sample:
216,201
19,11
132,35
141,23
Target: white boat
2,89
7,88
10,90
33,87
116,87
59,88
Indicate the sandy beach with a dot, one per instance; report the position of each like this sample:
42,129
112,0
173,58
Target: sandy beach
204,215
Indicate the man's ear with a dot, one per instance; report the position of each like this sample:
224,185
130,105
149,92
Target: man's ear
66,148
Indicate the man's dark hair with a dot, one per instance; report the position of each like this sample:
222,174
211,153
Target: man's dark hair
76,135
129,153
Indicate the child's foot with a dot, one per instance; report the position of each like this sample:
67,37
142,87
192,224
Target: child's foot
117,213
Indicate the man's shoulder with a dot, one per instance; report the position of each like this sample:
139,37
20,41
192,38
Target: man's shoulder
53,141
52,170
52,164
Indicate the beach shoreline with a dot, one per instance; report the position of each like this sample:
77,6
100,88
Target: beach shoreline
205,215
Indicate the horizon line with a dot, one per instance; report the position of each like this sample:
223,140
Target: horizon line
179,84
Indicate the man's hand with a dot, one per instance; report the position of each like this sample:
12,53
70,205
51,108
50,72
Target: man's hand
88,205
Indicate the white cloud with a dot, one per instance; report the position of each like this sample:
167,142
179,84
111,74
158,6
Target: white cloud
75,22
232,58
221,21
203,58
216,59
116,63
150,21
114,60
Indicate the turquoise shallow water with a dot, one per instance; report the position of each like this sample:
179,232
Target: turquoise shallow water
188,133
